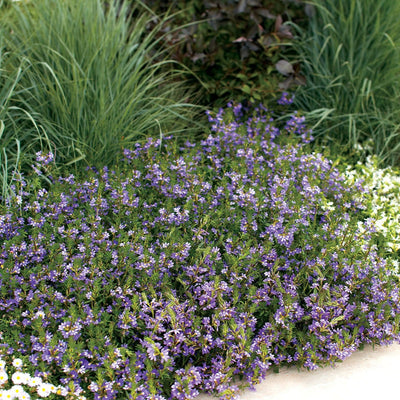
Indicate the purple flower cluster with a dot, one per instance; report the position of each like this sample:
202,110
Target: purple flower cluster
191,267
285,99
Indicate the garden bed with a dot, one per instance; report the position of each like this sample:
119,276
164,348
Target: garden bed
193,268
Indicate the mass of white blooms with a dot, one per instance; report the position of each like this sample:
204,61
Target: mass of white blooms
35,387
383,200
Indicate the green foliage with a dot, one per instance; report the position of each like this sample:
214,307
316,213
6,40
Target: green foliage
94,82
5,4
233,46
350,58
19,133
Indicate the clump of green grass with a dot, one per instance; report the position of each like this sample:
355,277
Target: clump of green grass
95,82
350,57
19,133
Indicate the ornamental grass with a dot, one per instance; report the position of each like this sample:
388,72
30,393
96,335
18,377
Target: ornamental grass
92,81
350,57
192,268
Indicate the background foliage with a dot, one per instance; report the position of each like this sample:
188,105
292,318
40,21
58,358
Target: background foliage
350,57
233,46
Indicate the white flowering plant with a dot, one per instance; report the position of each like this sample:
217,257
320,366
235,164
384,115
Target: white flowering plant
17,384
382,200
380,193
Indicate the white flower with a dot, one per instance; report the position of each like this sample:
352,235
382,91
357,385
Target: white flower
39,314
17,363
358,146
35,381
24,396
3,377
66,369
17,390
62,391
380,225
93,386
53,389
7,395
19,378
44,390
2,364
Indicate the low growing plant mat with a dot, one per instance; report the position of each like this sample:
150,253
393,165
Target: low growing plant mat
192,269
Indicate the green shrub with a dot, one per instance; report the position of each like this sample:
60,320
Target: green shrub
350,58
89,78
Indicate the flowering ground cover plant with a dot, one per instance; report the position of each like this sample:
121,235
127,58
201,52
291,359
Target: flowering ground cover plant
24,385
193,269
383,200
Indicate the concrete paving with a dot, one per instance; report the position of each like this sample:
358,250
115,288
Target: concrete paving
368,374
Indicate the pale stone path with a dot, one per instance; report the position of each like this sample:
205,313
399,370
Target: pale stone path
369,374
